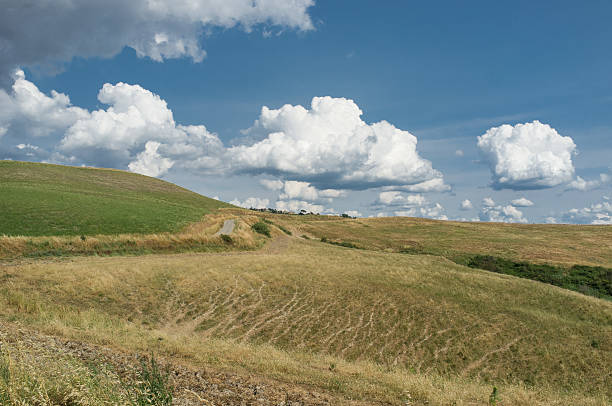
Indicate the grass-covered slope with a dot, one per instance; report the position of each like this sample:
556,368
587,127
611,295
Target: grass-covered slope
42,199
563,245
575,257
373,326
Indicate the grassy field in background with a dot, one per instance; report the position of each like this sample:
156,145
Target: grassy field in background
564,245
311,313
42,199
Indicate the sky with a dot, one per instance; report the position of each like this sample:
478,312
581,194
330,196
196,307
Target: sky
472,111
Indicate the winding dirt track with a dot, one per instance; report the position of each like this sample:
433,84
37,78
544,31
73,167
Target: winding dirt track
228,227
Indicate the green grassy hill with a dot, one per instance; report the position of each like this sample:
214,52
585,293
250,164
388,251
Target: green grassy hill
42,199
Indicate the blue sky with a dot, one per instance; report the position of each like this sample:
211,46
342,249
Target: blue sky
443,71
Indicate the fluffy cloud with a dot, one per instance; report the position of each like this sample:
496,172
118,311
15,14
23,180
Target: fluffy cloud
149,162
502,214
432,185
598,213
134,117
410,205
435,211
158,29
272,184
465,220
29,112
394,198
527,156
252,203
584,185
488,202
491,211
522,202
329,144
466,205
115,137
297,205
304,191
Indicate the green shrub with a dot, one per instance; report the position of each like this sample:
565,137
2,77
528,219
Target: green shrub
261,228
284,230
153,388
590,280
345,244
493,397
227,239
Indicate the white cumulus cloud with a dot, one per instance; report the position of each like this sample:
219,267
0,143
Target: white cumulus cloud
584,185
297,205
466,205
502,214
252,203
28,111
409,205
295,190
149,162
598,214
488,202
394,198
522,202
272,184
329,144
435,211
49,32
113,137
432,185
527,156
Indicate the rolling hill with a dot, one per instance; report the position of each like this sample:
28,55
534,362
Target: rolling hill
42,199
327,311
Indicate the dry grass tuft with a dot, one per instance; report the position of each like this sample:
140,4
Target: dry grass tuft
36,376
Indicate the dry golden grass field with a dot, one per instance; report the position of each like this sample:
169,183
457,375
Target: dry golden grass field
363,325
541,243
291,320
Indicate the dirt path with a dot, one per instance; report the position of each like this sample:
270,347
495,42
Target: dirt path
228,227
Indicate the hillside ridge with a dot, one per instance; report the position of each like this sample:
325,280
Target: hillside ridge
39,199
